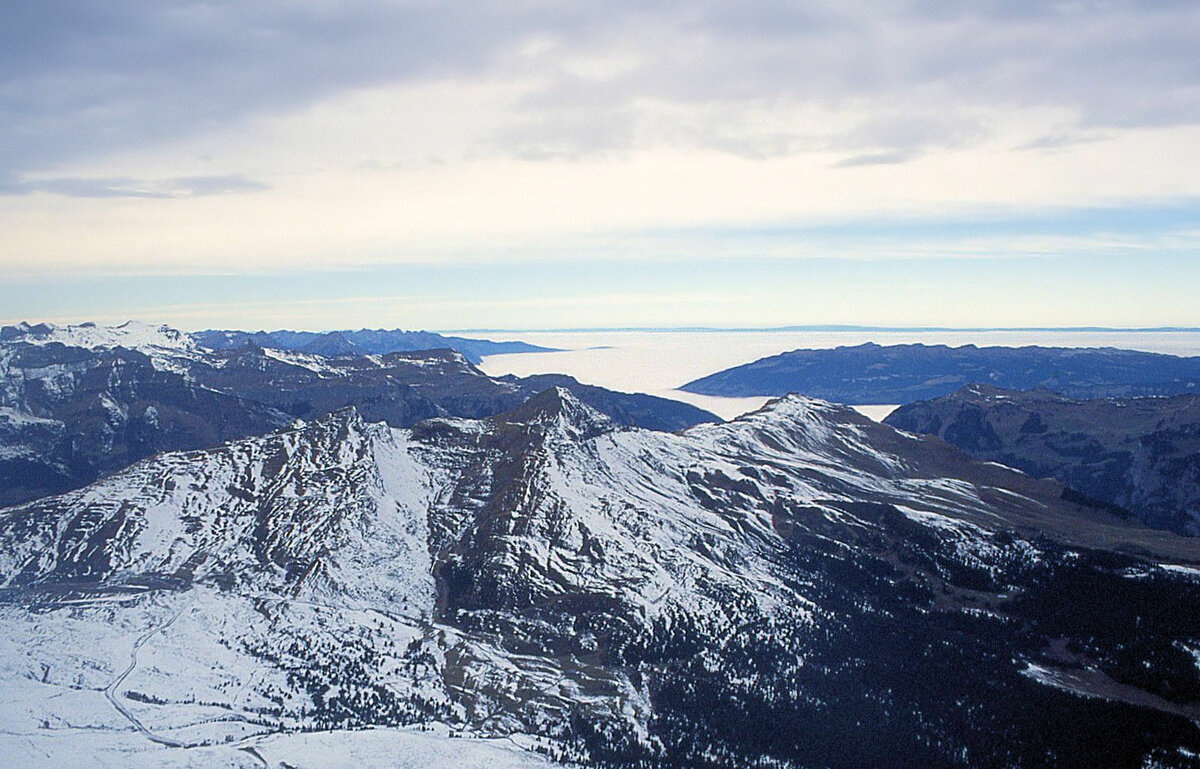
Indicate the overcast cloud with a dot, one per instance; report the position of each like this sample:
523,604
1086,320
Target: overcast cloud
82,78
549,148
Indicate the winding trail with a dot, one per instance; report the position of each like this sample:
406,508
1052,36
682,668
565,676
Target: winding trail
251,750
111,690
111,693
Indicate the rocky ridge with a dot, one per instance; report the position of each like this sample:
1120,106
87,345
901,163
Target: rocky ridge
78,403
1138,455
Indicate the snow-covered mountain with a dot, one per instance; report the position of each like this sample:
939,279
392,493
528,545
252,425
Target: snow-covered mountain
70,415
81,402
162,340
132,335
799,587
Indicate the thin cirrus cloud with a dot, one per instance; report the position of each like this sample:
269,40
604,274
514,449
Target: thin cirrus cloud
179,187
874,159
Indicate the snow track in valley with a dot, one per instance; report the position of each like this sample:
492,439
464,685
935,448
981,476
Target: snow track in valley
111,690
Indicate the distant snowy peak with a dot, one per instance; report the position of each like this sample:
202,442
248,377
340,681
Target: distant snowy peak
133,335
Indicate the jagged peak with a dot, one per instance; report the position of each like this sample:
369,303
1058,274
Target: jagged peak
797,407
348,418
340,433
558,407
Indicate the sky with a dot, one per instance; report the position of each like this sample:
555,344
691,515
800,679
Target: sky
544,164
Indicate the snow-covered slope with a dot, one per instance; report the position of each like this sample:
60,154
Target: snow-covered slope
800,587
80,402
132,335
275,513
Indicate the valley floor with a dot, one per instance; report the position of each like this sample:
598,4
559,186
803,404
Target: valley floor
84,709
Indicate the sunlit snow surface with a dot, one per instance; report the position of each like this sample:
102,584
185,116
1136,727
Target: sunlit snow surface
168,349
184,649
132,335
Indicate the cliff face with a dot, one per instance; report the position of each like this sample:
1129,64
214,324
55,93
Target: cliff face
1138,454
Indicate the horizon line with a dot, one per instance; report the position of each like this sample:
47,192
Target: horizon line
816,327
821,327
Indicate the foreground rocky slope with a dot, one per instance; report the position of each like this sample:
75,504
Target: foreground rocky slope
799,587
78,403
1138,454
898,374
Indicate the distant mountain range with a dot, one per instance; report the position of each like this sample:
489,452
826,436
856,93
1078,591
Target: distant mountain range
800,587
362,342
132,335
898,374
835,327
1141,455
144,336
78,403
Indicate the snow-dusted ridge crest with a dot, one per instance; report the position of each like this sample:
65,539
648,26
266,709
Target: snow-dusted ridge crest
133,335
79,403
273,512
734,594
